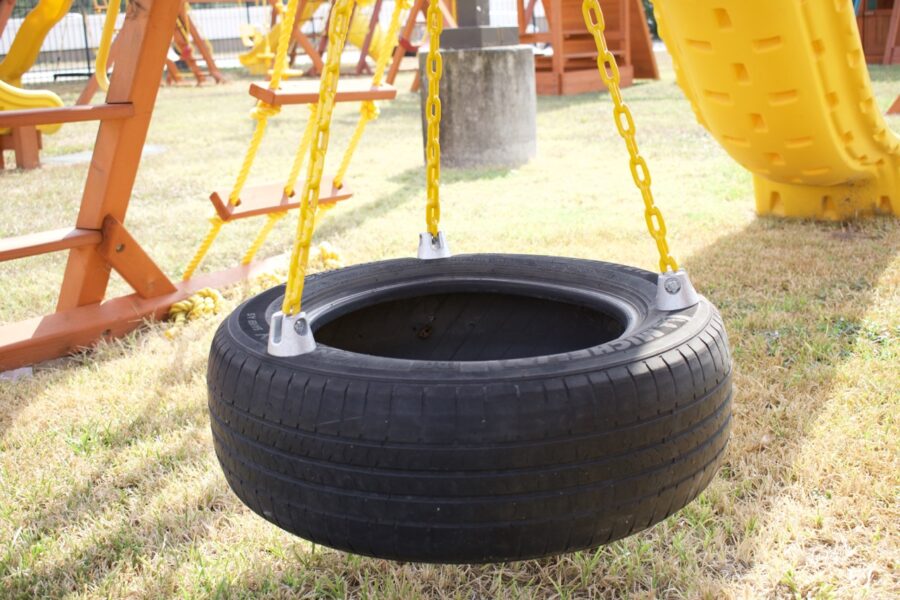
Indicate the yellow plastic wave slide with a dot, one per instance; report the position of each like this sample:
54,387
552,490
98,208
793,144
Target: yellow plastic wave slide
783,86
27,44
13,98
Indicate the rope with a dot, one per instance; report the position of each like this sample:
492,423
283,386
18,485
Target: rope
109,26
260,238
302,150
216,223
368,110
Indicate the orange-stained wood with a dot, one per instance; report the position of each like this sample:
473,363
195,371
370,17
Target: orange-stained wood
47,241
267,199
126,256
6,10
68,331
895,108
148,30
26,143
307,92
65,114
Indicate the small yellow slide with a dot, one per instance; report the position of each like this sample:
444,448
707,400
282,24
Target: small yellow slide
783,86
25,48
21,56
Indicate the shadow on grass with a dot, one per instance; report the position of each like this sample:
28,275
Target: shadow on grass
794,296
125,514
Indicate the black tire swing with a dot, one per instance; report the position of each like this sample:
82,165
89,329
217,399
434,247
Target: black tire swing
473,408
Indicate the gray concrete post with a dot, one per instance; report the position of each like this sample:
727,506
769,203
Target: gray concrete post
488,106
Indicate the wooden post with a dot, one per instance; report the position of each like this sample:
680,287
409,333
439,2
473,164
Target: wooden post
895,109
890,45
117,152
27,146
6,9
404,41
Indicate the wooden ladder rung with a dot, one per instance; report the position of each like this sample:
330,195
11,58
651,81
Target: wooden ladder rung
48,241
270,198
65,114
307,92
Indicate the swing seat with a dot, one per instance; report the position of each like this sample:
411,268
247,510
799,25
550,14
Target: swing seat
479,408
270,198
307,92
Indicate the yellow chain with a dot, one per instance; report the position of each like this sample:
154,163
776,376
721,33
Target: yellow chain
337,35
640,172
434,67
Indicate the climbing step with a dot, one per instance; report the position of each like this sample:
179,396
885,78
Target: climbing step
307,92
270,198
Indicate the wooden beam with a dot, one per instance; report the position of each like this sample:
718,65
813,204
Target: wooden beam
895,109
6,9
266,199
891,43
307,92
65,114
126,256
148,29
68,331
34,244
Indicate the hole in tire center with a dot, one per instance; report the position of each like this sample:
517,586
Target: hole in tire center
470,326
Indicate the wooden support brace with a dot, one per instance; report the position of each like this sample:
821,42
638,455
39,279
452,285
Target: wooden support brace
895,109
126,256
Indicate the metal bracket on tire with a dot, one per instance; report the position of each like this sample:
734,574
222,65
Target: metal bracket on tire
674,291
290,335
433,246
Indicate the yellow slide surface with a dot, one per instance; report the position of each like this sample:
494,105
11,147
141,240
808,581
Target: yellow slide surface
783,86
25,48
13,98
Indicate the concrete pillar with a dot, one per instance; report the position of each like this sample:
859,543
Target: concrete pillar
488,108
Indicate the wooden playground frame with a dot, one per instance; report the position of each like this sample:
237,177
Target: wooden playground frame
99,241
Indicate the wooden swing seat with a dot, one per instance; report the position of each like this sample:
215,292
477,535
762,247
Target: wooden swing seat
307,92
269,198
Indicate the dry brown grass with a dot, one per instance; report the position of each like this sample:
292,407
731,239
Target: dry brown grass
109,486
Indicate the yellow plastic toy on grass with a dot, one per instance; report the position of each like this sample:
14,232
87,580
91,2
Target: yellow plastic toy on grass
783,86
258,60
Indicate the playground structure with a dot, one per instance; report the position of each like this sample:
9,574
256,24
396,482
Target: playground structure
797,114
365,33
26,141
789,182
879,27
571,68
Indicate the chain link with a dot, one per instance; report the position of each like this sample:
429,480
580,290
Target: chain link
309,200
640,172
434,68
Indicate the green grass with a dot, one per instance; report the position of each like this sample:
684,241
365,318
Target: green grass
108,482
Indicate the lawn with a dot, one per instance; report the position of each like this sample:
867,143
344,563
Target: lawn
108,482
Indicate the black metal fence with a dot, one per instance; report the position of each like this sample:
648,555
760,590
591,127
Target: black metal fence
70,47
